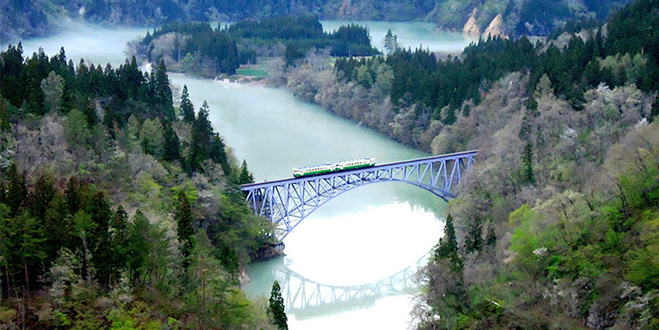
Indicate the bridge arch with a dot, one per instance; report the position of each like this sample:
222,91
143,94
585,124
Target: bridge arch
286,203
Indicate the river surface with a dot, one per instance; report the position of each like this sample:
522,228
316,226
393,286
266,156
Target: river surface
350,264
409,35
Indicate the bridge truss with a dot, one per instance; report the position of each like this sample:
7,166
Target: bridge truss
287,202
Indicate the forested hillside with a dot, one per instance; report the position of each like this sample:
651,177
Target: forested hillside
412,96
556,226
117,209
199,49
537,17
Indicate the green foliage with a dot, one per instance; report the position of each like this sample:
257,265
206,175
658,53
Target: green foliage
79,261
186,108
474,239
171,144
184,220
447,248
528,177
446,86
276,304
245,175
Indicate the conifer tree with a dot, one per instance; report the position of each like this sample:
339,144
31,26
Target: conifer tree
201,139
162,93
527,163
172,145
245,176
474,239
277,309
447,248
491,238
655,108
184,229
186,107
16,190
138,246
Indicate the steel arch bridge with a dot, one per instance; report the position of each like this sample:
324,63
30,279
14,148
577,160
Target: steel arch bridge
289,201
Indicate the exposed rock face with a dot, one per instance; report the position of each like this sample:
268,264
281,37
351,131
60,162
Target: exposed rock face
471,28
496,28
267,252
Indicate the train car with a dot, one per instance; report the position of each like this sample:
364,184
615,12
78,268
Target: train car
334,167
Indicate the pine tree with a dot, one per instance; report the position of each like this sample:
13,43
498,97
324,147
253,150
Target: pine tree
16,190
186,108
162,93
474,239
245,176
218,154
655,108
102,246
41,196
172,145
277,309
390,42
527,162
184,229
138,247
447,248
491,238
28,248
202,132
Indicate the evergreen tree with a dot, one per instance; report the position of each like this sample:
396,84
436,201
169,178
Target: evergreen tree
276,309
186,107
162,93
390,42
119,225
138,247
491,238
16,190
474,239
527,162
42,194
447,248
202,132
27,246
184,229
655,108
172,145
245,176
102,246
218,154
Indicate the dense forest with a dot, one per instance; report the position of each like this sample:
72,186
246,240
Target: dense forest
117,209
410,95
22,19
197,48
556,226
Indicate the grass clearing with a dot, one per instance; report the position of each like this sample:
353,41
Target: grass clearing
251,72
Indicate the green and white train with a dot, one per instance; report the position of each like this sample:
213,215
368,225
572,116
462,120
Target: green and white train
334,167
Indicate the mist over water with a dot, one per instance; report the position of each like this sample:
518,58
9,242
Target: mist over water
410,35
362,237
95,43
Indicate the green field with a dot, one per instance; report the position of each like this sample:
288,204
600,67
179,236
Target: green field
252,72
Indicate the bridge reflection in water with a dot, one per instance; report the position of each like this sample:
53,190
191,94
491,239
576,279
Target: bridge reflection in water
306,298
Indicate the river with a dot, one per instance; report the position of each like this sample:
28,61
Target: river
349,264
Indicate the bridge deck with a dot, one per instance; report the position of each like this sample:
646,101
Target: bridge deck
252,186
